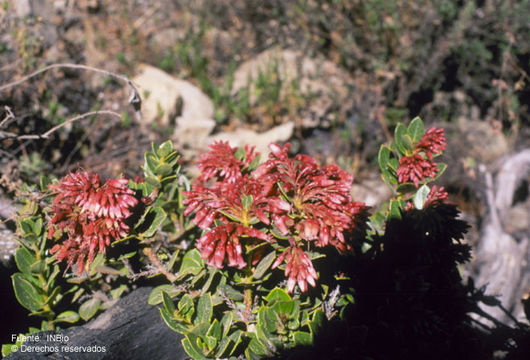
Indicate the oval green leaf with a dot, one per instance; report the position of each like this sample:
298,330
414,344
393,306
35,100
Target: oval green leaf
416,129
68,316
26,294
264,264
89,308
24,259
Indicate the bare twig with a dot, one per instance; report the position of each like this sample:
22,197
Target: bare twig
8,135
161,267
9,116
134,97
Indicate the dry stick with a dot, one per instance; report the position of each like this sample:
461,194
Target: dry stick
134,98
79,117
9,116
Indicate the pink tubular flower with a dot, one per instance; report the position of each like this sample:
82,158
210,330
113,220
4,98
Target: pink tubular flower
243,202
322,205
432,142
299,268
222,163
415,168
436,196
225,240
90,215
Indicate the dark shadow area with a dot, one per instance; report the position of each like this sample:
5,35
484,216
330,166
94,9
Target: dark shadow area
410,301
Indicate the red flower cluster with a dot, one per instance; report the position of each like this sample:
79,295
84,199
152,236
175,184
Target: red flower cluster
90,214
419,165
322,205
299,268
284,197
223,163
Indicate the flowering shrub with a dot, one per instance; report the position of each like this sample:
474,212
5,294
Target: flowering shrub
407,163
244,246
257,218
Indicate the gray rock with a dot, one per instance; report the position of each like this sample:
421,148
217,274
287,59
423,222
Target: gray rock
164,97
261,141
321,79
192,132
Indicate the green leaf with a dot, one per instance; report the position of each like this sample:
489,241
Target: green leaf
152,181
89,308
38,267
226,322
186,307
316,321
27,226
388,177
204,309
26,294
24,259
399,134
215,330
240,153
68,316
165,149
416,129
222,348
8,349
117,292
230,292
441,169
264,264
421,196
208,283
191,350
159,217
383,157
156,294
395,209
163,169
150,163
303,338
168,303
55,294
236,338
277,294
267,319
254,164
172,260
44,181
51,279
284,307
406,188
407,142
255,346
393,164
246,201
173,324
37,227
98,261
191,263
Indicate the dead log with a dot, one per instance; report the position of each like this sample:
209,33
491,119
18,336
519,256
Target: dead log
130,329
502,256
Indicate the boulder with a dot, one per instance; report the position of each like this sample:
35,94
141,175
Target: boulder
261,141
317,78
166,98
